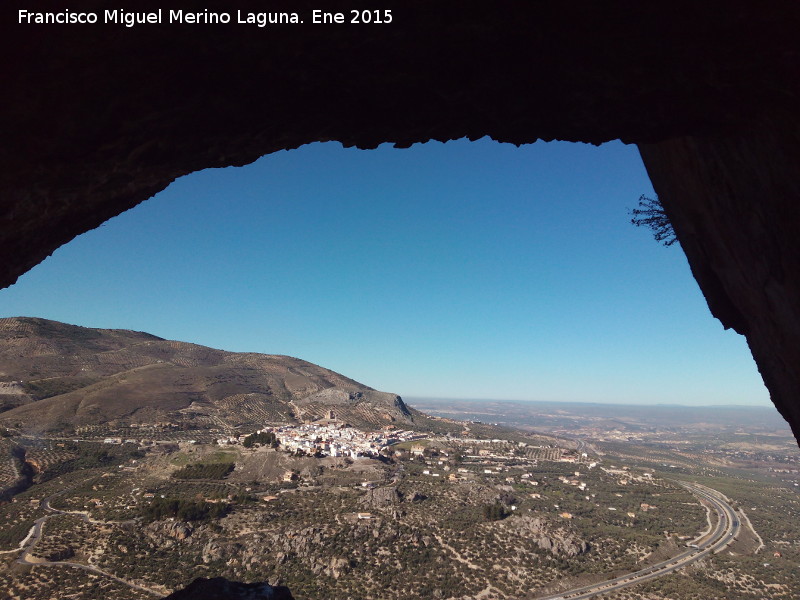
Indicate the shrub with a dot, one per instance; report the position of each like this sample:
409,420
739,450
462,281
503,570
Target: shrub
495,512
184,510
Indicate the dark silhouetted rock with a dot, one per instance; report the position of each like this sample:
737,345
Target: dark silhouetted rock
220,588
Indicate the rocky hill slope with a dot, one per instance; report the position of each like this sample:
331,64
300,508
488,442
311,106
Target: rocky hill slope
54,375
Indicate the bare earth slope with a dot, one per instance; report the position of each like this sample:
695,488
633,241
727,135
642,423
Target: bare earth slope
53,374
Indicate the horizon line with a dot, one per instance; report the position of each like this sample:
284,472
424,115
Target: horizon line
642,404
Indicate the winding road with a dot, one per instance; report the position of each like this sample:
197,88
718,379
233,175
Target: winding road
720,536
715,539
26,558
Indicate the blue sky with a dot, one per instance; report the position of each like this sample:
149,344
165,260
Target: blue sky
466,269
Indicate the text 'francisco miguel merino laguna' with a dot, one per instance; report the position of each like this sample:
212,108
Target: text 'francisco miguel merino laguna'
131,18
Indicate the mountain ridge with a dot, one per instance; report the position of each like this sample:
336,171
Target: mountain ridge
56,374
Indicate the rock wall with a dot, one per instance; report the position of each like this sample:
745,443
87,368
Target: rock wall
735,205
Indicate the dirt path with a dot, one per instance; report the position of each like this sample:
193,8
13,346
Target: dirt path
708,529
37,532
486,592
746,519
456,554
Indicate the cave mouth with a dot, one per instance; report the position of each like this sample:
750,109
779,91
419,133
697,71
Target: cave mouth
102,118
465,269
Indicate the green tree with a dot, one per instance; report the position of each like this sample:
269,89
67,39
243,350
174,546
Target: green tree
258,439
495,512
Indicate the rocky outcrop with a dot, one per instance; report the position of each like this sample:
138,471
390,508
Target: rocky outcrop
215,550
415,497
555,540
347,405
168,534
180,531
382,497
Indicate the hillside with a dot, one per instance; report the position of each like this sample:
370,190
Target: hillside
54,375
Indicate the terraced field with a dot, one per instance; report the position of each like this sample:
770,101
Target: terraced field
254,408
9,465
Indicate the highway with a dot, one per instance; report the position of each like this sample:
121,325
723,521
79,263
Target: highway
714,540
722,534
